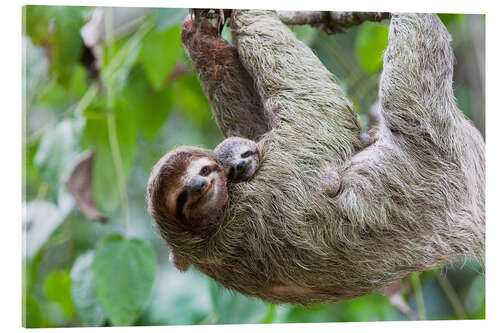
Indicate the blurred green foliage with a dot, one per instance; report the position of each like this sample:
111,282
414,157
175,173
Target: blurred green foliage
143,102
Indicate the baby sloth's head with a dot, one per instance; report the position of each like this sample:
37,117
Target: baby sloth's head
239,156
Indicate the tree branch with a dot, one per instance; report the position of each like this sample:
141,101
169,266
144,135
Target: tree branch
331,22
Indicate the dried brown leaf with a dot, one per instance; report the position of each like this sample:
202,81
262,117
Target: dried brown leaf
79,184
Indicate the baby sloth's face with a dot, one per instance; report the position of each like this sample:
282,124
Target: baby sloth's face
239,157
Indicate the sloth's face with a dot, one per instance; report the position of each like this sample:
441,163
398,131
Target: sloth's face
199,192
242,164
239,157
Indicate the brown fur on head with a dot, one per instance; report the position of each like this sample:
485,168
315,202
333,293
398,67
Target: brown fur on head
187,195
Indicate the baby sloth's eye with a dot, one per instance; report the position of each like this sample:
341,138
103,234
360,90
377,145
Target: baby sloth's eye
204,171
247,153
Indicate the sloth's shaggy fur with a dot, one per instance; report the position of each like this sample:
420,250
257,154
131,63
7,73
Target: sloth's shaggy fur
411,200
225,81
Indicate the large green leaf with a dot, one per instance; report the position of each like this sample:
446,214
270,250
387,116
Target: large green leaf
159,54
58,28
83,293
141,102
191,99
57,151
178,298
40,220
104,173
371,42
57,288
124,271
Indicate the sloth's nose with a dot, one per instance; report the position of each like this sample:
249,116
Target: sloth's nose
240,165
197,185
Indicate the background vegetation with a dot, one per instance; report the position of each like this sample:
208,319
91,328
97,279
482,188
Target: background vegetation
138,103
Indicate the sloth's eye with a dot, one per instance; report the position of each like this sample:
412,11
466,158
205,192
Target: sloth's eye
204,171
247,153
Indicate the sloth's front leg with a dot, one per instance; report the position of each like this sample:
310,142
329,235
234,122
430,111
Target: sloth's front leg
236,104
240,158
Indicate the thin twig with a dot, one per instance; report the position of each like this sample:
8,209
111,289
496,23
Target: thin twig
417,288
452,297
111,122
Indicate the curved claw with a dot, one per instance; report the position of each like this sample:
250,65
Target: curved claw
219,15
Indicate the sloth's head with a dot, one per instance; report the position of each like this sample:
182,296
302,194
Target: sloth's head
187,194
239,156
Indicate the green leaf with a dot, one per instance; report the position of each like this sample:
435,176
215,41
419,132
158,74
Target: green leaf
226,34
32,313
78,83
58,28
35,71
104,174
148,107
191,99
83,293
159,53
305,33
57,150
167,17
465,100
124,271
474,301
451,19
31,175
235,308
186,295
57,288
371,42
41,219
117,66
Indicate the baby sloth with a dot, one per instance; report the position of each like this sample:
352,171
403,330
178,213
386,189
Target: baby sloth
239,156
187,191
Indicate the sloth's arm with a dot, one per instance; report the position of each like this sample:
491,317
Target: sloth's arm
235,103
296,88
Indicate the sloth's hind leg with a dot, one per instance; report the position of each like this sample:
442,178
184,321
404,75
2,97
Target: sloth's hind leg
416,93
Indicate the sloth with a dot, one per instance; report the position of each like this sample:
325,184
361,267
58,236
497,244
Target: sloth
190,184
329,215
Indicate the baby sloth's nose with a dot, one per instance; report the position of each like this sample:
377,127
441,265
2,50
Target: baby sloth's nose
197,185
240,165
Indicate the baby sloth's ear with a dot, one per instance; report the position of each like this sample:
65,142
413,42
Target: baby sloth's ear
178,261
